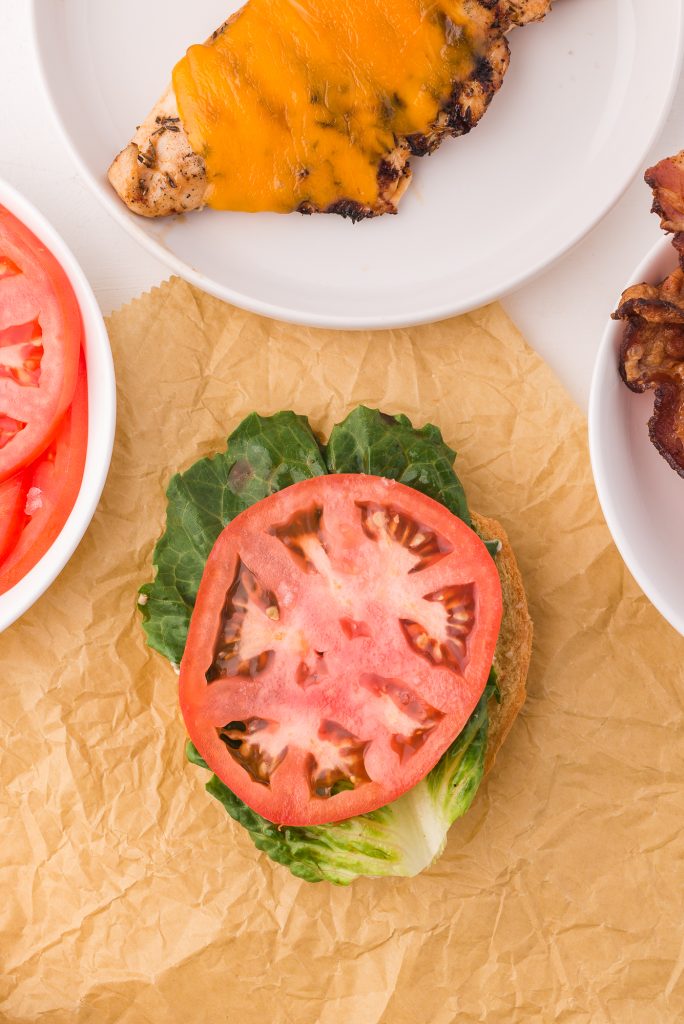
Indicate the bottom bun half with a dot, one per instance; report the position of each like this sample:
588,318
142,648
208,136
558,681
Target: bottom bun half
514,646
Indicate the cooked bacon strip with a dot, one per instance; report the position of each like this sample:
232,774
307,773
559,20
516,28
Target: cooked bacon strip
652,357
667,181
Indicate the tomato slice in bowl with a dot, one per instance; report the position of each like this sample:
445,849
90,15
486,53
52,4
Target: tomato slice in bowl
343,633
50,487
12,515
40,341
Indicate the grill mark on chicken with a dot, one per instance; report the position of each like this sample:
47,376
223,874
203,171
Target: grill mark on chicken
159,173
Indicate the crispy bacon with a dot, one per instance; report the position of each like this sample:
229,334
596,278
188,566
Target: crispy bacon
652,357
667,181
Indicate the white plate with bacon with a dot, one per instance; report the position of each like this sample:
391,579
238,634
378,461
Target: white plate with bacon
585,95
636,409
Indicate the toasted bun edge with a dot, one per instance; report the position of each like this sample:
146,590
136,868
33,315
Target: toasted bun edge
514,646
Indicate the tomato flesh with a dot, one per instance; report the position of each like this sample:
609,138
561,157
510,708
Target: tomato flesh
40,341
12,504
50,486
343,633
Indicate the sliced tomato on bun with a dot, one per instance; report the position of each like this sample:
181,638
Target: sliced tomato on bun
343,634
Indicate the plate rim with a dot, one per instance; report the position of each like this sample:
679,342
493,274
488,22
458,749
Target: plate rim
19,598
277,311
603,366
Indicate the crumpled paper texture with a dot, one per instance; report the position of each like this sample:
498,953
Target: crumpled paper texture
127,893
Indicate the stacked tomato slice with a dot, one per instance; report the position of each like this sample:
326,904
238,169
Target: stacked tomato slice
343,634
43,400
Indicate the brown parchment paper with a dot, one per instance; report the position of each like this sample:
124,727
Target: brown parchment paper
128,895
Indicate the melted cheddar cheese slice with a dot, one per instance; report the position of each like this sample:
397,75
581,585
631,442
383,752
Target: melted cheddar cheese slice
296,104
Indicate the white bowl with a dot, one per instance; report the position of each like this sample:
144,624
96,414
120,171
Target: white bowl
641,496
101,417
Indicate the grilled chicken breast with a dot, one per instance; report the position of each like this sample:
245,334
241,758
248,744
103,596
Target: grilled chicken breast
160,172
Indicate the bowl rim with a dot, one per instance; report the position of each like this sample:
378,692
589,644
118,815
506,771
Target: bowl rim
603,367
101,415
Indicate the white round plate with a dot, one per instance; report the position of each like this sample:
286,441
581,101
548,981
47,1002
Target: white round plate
585,96
641,496
101,416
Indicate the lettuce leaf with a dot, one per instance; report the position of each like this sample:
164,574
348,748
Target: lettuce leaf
369,441
265,454
402,838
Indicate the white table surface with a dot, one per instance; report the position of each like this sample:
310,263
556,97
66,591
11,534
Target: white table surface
562,313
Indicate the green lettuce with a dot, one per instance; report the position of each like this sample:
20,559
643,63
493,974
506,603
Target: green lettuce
265,454
369,441
402,838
